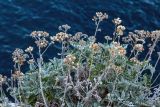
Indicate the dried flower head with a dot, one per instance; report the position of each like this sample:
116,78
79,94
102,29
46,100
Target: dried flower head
119,30
121,51
61,36
95,47
78,36
155,35
69,59
100,16
39,34
117,49
117,21
42,43
138,47
135,60
17,74
19,56
29,49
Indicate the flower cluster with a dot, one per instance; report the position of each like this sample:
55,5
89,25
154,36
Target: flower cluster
19,56
40,37
42,43
141,35
120,29
17,74
95,47
61,36
117,49
117,21
100,16
69,59
155,35
135,60
38,34
138,47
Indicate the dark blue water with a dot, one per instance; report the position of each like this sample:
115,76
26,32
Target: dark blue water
19,17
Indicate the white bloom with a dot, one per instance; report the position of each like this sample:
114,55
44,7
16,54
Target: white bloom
117,21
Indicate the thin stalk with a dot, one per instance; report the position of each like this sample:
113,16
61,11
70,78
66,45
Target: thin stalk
89,93
157,61
131,53
62,56
2,97
158,73
40,77
147,55
150,53
152,49
118,39
114,34
97,25
32,56
155,79
136,55
12,85
19,68
90,68
65,90
20,98
46,48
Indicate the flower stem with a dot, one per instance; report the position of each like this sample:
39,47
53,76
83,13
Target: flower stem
40,77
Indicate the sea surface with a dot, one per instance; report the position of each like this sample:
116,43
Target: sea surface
18,18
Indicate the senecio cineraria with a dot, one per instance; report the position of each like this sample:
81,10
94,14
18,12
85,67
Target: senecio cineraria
88,73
